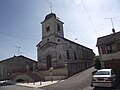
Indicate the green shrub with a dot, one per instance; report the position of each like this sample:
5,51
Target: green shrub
97,63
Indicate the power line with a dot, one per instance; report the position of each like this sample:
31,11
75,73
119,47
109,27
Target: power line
90,18
15,35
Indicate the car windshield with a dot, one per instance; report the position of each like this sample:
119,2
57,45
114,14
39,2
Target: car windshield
102,73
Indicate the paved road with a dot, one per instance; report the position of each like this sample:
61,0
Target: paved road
77,82
14,87
80,81
100,88
92,88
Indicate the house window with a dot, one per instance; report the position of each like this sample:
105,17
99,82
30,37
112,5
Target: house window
75,57
47,27
68,56
58,27
111,48
103,49
60,57
39,59
118,46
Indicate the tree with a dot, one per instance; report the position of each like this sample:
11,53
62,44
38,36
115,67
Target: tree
97,62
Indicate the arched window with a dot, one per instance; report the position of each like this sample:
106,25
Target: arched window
58,40
68,56
47,27
75,57
58,27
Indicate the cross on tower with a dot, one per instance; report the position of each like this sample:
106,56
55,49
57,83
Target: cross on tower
51,6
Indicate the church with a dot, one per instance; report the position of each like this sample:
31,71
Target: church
56,52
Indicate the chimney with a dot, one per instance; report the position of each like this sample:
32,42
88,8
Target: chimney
113,30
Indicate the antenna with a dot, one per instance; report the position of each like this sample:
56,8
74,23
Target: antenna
113,30
18,49
111,21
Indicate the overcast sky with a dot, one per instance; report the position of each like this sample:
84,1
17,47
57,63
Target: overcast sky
85,20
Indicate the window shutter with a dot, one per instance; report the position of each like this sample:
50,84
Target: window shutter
103,49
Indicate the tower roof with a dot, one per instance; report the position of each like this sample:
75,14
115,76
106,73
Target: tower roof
50,15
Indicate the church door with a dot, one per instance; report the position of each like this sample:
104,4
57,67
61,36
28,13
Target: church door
49,62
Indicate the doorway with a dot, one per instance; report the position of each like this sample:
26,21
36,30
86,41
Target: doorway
49,62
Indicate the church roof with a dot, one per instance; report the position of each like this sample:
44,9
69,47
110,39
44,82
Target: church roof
74,43
68,41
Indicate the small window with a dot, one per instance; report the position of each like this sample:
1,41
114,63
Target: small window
68,54
60,57
58,27
111,48
48,39
39,59
58,40
118,46
47,28
75,57
103,50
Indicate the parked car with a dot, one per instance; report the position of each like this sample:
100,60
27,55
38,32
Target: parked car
104,78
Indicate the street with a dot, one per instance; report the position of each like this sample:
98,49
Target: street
77,82
14,87
80,81
92,88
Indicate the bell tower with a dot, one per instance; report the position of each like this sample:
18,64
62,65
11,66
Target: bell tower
52,26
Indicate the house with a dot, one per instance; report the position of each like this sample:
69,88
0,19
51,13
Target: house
16,64
109,50
64,56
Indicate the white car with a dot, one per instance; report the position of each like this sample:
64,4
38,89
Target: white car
104,78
